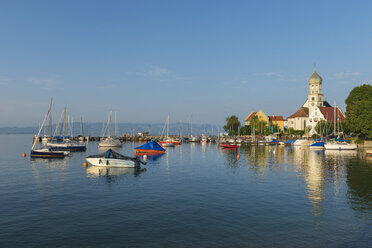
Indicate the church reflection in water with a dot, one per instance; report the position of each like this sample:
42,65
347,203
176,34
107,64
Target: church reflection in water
318,169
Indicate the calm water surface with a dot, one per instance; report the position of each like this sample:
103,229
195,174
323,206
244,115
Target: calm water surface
193,196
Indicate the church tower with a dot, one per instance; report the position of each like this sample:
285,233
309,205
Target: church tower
315,97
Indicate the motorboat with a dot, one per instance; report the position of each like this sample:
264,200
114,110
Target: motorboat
114,159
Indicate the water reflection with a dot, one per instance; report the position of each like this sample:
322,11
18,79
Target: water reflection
46,173
359,181
231,159
314,178
111,172
317,168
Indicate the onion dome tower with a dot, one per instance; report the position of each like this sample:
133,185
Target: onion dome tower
315,97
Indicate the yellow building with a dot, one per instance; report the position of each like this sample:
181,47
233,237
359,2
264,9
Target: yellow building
277,120
272,120
260,114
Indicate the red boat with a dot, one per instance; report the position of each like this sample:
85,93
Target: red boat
175,142
229,146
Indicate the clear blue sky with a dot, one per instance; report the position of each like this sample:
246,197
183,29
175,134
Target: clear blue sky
205,59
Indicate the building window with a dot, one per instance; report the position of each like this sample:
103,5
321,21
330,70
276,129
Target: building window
312,99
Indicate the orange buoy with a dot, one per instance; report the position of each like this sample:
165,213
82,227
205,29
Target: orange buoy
238,156
205,149
24,155
85,164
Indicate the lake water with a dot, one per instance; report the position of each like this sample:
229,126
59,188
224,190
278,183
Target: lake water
193,196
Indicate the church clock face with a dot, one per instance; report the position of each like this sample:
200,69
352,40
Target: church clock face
312,104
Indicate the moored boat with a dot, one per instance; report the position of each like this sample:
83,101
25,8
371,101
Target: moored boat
340,146
150,148
47,153
317,145
114,159
229,146
301,142
67,146
110,142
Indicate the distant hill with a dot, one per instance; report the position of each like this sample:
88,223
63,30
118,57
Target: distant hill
95,129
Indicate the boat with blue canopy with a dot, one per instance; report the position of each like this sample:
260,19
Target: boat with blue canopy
149,148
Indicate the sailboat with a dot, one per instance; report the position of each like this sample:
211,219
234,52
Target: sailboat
45,152
66,144
168,142
109,141
194,138
318,144
338,144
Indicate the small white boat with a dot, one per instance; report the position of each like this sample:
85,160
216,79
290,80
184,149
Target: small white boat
114,159
301,142
110,142
340,146
167,144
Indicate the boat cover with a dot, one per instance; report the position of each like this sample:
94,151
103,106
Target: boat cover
152,145
289,141
316,144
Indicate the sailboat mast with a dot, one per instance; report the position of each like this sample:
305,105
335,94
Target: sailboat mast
334,119
116,125
191,125
64,124
42,125
81,126
168,127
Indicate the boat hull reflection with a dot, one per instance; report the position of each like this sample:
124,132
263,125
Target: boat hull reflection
99,171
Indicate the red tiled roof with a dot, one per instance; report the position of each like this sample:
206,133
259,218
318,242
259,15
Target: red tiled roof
302,112
250,116
329,111
276,118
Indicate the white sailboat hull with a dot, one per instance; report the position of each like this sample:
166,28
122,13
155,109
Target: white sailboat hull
340,146
110,143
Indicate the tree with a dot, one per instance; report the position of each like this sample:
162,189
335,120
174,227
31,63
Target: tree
246,130
359,111
232,125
